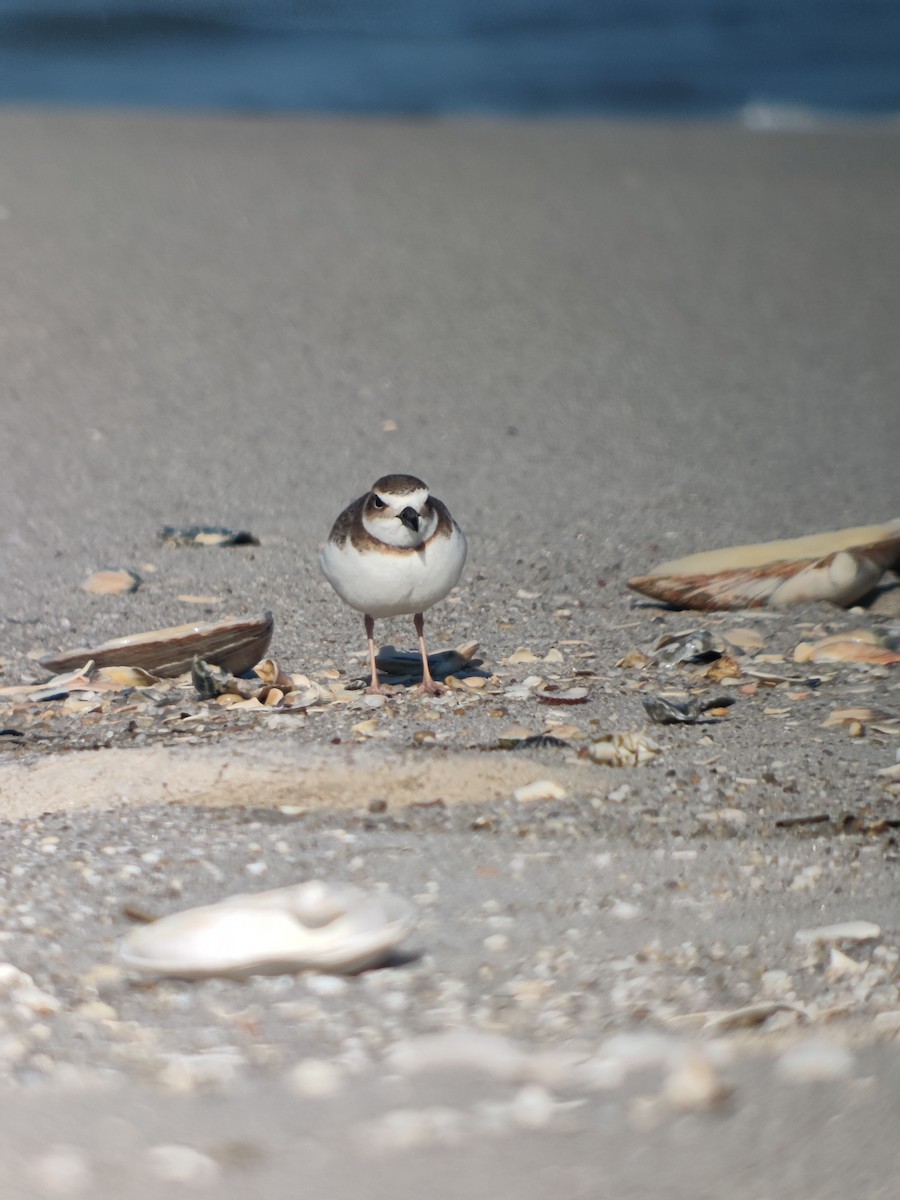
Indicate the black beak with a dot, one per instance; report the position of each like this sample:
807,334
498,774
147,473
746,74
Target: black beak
410,519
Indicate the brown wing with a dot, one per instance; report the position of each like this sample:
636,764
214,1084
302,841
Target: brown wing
343,526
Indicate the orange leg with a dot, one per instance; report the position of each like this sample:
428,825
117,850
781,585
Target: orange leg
427,684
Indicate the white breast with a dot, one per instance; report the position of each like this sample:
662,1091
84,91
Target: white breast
385,584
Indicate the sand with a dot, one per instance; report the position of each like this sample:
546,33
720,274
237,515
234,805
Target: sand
603,345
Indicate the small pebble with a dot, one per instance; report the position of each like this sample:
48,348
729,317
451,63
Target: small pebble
694,1085
326,985
815,1062
533,1106
540,789
176,1163
496,942
887,1022
61,1171
315,1078
848,931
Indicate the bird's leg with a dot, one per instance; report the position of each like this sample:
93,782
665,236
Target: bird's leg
373,687
427,684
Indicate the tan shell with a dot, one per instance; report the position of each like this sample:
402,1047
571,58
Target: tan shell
310,926
235,644
623,749
112,581
839,567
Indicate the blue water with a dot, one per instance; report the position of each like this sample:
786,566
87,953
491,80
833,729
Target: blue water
622,57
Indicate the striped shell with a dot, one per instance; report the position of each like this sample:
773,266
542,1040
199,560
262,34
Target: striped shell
235,644
839,567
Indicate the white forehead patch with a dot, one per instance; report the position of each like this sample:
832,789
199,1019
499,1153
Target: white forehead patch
414,499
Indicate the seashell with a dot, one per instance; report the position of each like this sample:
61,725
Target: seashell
567,732
365,728
407,664
623,749
310,926
210,682
467,650
694,1084
692,646
206,535
847,931
749,640
306,697
574,695
114,581
839,567
849,716
115,679
669,712
539,789
859,646
524,654
539,741
512,736
722,668
635,658
56,688
235,644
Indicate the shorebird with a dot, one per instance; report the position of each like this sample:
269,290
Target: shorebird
393,552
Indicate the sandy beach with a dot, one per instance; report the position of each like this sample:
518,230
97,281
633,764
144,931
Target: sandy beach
603,345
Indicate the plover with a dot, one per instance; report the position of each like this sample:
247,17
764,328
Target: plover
394,551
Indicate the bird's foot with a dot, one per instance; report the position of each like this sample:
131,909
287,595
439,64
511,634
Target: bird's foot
429,688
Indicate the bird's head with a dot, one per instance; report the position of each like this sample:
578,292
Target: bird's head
398,511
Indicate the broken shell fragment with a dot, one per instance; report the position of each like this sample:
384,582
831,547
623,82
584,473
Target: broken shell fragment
839,567
750,641
539,789
117,679
573,695
310,926
622,750
234,644
114,581
847,931
670,712
210,682
206,535
858,646
693,646
861,715
512,736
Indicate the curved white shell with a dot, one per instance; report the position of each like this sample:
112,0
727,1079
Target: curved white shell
309,926
839,567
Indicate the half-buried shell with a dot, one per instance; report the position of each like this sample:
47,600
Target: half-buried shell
235,644
310,926
839,567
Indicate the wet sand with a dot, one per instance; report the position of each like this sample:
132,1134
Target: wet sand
603,346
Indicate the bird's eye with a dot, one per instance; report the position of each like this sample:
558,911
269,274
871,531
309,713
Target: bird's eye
378,502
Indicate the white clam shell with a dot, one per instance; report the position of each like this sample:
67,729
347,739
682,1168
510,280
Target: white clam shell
310,926
839,567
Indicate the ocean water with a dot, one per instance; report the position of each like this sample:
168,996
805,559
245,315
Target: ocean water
779,60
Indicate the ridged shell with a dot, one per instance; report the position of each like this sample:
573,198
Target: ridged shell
235,644
839,567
